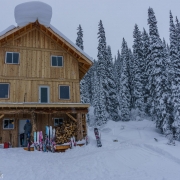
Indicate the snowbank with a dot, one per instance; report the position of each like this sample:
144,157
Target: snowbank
7,29
31,11
134,156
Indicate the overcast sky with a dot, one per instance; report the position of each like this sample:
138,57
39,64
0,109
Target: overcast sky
118,17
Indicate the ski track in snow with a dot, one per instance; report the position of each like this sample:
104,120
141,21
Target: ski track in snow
136,156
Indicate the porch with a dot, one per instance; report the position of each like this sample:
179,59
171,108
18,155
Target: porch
40,115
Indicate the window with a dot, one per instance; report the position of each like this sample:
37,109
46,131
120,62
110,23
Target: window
12,58
8,124
4,90
58,121
57,61
64,92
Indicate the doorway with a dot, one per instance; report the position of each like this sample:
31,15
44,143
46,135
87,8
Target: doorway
22,122
43,94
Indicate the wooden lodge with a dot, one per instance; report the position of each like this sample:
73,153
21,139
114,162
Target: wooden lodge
40,73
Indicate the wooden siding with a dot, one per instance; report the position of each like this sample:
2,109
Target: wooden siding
34,69
28,91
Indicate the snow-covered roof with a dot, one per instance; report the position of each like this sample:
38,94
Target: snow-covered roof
7,30
31,11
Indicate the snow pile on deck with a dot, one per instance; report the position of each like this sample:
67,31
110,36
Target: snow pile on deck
135,155
31,11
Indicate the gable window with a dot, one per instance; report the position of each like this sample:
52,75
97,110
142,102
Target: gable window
57,61
8,124
58,121
12,57
64,92
4,90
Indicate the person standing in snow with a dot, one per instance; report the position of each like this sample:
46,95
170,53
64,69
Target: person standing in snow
27,131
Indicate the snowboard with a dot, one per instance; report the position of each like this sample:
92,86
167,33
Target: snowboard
53,133
50,132
35,137
41,140
29,141
38,137
98,139
50,138
46,140
53,144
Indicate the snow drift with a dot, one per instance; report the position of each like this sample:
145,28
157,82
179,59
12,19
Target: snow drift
31,11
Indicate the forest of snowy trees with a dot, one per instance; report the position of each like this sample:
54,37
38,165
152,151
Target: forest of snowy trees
145,79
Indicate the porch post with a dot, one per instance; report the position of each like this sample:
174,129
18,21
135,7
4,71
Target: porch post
79,127
33,122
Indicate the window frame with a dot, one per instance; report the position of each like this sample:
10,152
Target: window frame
57,118
8,91
56,57
12,58
8,120
69,93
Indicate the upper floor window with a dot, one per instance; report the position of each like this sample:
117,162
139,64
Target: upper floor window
57,61
4,90
12,57
8,124
64,92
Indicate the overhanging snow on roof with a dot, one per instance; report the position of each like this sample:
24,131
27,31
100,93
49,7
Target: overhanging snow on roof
28,12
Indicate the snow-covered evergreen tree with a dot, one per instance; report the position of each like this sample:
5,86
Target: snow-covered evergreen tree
117,70
79,40
158,75
131,77
111,97
148,69
168,120
138,70
94,83
175,77
100,107
84,91
125,97
84,85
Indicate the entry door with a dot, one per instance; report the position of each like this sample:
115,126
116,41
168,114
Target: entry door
21,128
44,94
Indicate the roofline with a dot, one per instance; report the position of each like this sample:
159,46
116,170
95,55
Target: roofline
12,29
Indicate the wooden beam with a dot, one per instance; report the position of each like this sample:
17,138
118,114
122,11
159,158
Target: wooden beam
34,126
42,111
79,127
2,116
71,117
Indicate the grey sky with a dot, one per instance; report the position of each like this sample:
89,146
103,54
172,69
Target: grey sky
118,17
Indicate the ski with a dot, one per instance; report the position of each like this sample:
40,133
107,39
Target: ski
98,139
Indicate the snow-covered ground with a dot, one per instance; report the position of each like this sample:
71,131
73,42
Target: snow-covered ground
136,156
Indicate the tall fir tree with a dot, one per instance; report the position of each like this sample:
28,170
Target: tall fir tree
100,107
158,73
125,97
94,84
148,68
175,60
138,71
84,88
111,97
131,78
79,40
